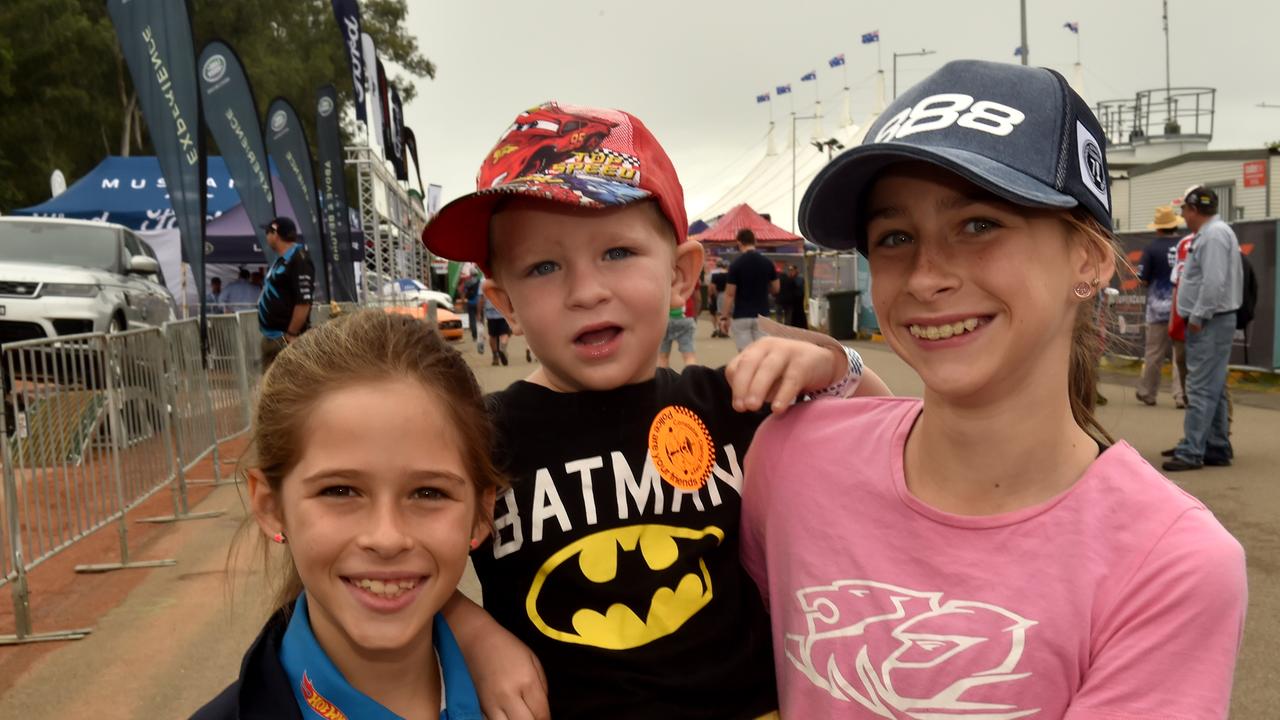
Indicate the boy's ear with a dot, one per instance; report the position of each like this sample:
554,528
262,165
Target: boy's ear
265,503
496,294
688,265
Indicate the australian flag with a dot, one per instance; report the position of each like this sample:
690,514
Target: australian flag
1073,27
811,75
783,89
836,61
871,37
762,98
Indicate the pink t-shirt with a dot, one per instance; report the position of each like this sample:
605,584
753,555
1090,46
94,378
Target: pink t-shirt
1123,597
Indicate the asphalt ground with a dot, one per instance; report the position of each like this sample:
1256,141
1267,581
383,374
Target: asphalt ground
166,640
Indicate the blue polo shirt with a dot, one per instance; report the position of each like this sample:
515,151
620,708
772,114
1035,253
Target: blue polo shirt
318,684
289,283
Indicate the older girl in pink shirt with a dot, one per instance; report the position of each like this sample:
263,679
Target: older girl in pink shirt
988,552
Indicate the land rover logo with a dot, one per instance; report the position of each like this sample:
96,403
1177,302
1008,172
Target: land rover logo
278,121
214,68
326,106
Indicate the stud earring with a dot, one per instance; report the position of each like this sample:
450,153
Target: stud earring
279,538
1082,290
474,543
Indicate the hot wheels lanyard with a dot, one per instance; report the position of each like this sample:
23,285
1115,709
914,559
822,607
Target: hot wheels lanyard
317,684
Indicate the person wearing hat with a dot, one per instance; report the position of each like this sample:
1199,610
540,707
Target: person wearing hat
284,308
1210,291
989,546
1154,271
614,558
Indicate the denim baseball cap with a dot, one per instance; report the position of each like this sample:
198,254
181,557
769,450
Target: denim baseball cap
1021,133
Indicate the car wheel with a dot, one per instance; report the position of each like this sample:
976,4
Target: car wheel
115,326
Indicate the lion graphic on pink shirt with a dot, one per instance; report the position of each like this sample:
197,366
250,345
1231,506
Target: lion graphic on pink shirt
910,654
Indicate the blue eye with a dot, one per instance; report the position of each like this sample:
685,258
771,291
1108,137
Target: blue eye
618,253
543,268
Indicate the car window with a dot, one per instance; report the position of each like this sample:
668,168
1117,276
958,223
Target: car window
131,244
151,253
60,244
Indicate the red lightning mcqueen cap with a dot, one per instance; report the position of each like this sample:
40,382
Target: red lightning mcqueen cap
580,156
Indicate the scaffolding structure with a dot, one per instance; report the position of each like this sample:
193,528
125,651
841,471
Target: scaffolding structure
392,223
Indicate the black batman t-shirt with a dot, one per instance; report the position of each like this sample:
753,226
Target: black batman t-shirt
615,556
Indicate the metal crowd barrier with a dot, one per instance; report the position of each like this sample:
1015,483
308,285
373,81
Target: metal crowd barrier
93,425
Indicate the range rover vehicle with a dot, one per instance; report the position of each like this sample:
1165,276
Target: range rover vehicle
64,277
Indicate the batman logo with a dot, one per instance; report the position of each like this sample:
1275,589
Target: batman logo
646,580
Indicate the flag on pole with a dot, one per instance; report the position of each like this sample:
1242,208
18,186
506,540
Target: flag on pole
836,61
783,89
871,37
762,98
1017,52
1073,27
811,75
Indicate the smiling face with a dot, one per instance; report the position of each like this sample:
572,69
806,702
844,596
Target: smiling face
590,289
973,292
379,513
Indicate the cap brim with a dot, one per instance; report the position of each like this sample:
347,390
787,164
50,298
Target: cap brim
829,214
460,231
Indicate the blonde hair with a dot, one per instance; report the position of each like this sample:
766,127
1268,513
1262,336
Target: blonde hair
367,345
1089,335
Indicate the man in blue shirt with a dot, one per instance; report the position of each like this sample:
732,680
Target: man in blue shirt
1154,271
284,308
752,279
1210,292
240,294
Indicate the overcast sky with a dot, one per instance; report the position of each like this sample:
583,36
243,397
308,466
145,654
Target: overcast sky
691,69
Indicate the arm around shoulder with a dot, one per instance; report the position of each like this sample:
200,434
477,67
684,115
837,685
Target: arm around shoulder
1170,635
508,677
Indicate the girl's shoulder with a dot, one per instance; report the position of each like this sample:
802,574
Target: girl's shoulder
262,690
825,418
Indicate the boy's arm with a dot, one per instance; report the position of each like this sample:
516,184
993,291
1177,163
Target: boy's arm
791,362
508,677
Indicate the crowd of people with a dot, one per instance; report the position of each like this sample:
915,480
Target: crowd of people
780,536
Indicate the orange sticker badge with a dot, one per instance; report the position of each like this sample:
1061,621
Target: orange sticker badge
681,448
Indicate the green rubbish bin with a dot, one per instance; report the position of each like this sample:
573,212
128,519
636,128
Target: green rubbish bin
841,306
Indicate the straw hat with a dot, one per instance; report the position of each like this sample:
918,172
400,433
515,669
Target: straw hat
1166,219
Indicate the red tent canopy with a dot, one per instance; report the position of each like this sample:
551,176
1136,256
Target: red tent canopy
742,216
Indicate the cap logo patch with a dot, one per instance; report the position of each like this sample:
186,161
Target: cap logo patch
938,112
1092,169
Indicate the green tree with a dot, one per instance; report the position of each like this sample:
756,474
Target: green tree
68,100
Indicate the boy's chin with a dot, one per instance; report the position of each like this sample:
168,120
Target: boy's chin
598,378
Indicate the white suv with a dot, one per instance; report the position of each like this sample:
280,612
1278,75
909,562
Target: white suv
63,277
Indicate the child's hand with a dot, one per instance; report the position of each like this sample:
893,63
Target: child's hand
509,679
776,371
